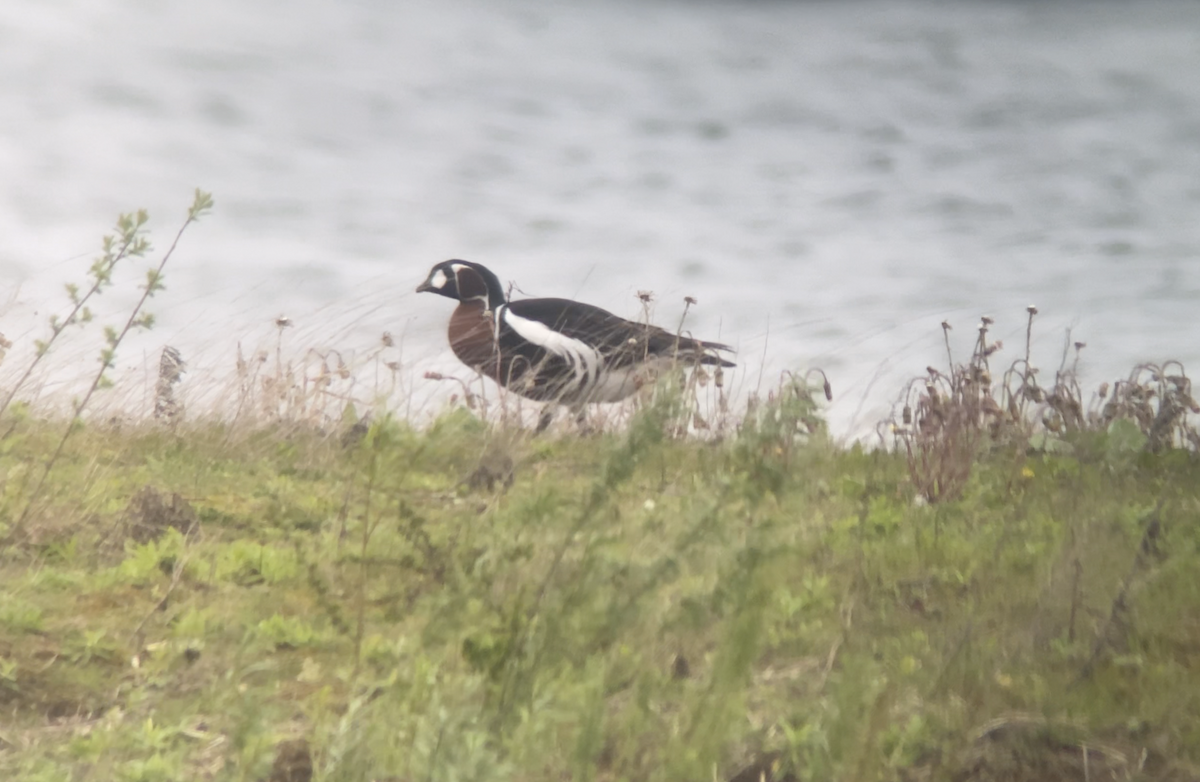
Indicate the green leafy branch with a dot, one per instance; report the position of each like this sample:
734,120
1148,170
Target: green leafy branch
133,242
137,318
130,241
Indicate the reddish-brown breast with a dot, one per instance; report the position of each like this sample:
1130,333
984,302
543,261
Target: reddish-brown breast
471,337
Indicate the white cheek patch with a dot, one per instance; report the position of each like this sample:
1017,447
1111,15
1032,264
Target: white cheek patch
438,280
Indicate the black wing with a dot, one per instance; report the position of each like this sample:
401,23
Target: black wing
619,341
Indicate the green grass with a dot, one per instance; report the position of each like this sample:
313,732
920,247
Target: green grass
632,607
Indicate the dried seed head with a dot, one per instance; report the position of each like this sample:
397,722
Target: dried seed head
646,296
946,325
1103,391
688,300
434,376
1080,346
1032,310
906,415
283,322
986,321
387,340
828,392
171,365
393,365
719,377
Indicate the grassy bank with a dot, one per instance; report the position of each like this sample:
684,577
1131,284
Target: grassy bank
1006,591
469,602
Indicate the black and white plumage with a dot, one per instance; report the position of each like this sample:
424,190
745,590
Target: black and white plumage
556,350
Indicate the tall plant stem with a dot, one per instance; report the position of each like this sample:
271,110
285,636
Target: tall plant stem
201,204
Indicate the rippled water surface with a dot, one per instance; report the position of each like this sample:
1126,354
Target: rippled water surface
829,180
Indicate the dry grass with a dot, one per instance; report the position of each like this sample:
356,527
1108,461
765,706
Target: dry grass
946,418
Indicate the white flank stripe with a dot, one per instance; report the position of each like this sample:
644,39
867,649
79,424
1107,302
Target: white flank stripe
583,358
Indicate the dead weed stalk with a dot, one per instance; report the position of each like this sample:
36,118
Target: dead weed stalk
944,418
947,418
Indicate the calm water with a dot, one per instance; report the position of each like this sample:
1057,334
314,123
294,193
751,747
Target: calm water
829,180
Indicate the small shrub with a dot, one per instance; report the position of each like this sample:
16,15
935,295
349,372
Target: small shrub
287,632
